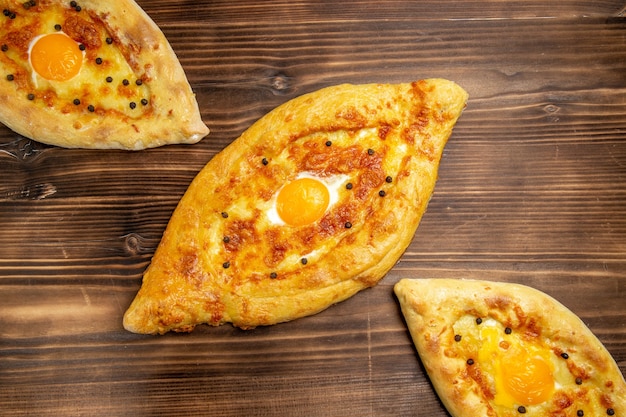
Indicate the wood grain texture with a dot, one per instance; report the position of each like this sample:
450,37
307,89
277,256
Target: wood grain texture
532,189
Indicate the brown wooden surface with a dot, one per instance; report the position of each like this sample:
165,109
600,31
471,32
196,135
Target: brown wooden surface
532,189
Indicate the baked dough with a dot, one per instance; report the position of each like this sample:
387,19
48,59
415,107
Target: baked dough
229,255
129,91
501,349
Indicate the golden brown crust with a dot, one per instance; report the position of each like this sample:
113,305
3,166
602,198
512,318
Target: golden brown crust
588,377
171,115
222,259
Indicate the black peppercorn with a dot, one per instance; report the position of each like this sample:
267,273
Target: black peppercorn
479,320
10,77
264,161
82,47
457,337
370,151
226,265
304,261
580,413
30,96
564,355
349,186
144,102
109,79
224,215
273,275
348,225
508,330
4,47
98,60
91,108
470,362
521,409
382,193
328,143
579,381
138,82
226,239
109,41
610,412
125,81
132,105
57,27
76,102
389,179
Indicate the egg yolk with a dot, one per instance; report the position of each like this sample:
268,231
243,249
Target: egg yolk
527,379
56,57
523,374
302,201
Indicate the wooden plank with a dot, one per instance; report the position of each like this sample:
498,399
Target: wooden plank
531,190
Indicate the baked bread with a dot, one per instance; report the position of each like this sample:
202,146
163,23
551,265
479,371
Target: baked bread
92,74
314,202
499,349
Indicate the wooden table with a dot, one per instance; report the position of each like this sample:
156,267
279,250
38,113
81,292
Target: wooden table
532,189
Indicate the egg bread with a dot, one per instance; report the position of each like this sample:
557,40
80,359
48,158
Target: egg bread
501,349
316,201
92,74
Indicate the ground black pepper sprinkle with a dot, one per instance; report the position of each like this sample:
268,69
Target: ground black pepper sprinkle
73,4
264,161
76,101
109,41
304,261
10,77
579,381
226,265
30,96
144,101
348,225
4,47
508,330
382,193
389,179
226,239
564,355
138,82
91,108
610,412
479,320
224,215
349,186
109,79
57,27
98,60
273,275
82,47
580,413
328,143
370,151
78,8
470,362
125,81
6,12
457,337
521,409
132,105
